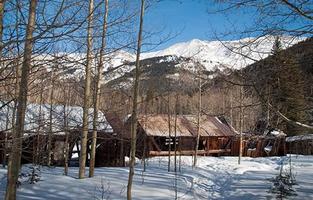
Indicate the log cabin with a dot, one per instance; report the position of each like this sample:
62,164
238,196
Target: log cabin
161,135
300,144
63,125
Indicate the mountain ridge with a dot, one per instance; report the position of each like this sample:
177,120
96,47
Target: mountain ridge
213,55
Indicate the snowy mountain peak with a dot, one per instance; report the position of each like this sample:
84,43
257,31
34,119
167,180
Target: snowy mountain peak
190,45
210,54
232,54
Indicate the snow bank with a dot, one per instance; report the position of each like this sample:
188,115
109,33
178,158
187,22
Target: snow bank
213,178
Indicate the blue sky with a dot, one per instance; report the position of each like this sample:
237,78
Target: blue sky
189,19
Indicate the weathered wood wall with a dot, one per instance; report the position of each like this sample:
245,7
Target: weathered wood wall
253,146
110,153
303,147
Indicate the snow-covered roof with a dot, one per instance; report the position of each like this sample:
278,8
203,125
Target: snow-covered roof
299,138
186,126
37,118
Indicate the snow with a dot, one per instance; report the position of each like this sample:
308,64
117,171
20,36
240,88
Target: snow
214,178
210,54
275,133
299,138
36,113
268,149
72,65
219,54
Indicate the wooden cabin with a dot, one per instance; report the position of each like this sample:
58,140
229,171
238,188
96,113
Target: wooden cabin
300,144
259,145
65,130
159,135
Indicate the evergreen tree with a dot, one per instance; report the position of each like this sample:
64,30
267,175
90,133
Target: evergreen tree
277,46
292,94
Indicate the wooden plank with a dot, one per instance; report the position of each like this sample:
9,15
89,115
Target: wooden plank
189,152
219,151
186,152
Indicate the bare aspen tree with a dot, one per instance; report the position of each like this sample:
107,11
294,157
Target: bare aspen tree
97,92
17,71
198,124
37,145
50,121
144,155
17,83
268,106
66,143
84,136
6,138
15,156
2,2
240,122
169,132
1,47
231,106
66,111
135,105
175,134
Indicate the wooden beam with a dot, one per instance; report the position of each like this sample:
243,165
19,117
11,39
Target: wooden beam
219,151
188,152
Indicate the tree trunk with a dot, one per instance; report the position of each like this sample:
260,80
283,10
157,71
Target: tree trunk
134,111
231,106
169,133
17,83
66,152
1,27
49,154
15,156
175,136
1,47
84,136
268,107
198,124
240,123
144,157
66,143
6,137
97,93
37,145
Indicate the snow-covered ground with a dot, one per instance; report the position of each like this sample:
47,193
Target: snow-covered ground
214,178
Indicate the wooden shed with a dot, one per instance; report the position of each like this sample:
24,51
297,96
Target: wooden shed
63,125
161,135
259,145
300,144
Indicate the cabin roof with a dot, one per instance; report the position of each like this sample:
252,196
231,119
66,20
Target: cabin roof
186,126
